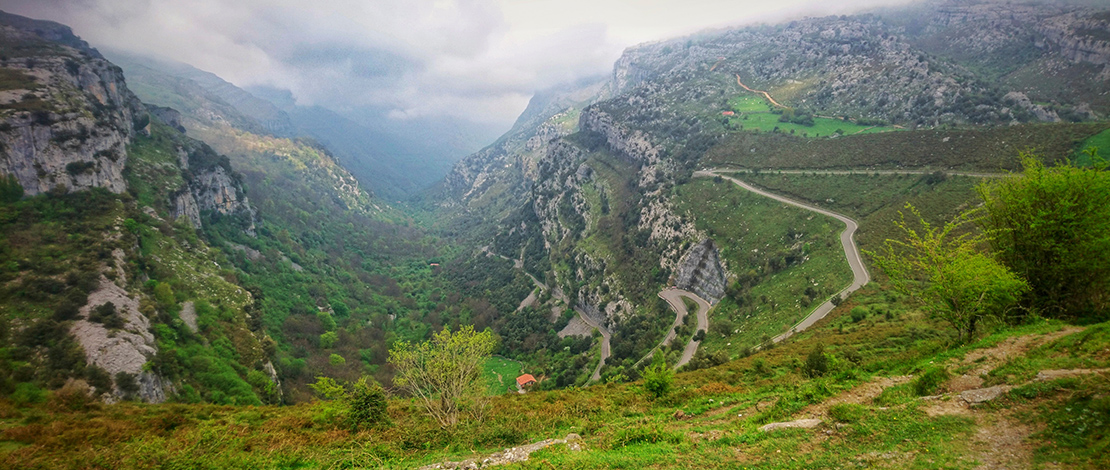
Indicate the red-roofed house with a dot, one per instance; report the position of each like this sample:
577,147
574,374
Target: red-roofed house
728,113
525,380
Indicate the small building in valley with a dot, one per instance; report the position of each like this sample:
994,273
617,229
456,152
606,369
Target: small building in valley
525,380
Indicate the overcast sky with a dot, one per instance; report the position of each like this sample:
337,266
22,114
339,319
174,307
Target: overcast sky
476,59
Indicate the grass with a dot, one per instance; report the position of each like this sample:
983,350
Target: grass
790,259
983,149
621,427
1100,141
874,200
12,79
501,374
755,113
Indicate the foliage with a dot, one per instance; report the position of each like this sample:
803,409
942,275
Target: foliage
445,373
930,381
1052,227
357,405
10,189
942,270
658,378
817,363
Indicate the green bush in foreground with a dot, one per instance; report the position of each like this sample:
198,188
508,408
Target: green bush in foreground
1052,227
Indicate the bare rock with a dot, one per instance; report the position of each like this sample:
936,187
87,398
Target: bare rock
700,272
188,314
1054,374
801,423
983,395
123,350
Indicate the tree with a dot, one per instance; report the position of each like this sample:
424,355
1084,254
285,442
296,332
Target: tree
947,274
1052,227
10,189
445,373
658,377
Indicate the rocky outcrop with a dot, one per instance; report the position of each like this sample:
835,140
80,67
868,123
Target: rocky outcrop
634,145
67,117
700,272
1080,36
124,350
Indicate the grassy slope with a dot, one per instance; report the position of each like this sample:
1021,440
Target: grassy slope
622,428
988,149
754,234
755,113
874,200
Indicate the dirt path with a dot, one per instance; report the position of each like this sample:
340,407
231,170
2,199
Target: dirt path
764,93
860,276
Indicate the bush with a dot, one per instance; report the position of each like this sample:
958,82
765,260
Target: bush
1050,227
98,378
356,405
930,381
367,404
127,383
107,315
847,412
658,378
859,313
27,393
817,363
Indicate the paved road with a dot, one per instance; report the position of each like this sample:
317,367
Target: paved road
597,323
847,241
558,293
866,172
674,298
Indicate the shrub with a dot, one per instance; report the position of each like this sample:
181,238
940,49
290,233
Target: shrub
847,412
27,393
367,403
930,381
1050,227
817,363
859,313
658,378
107,315
99,378
127,383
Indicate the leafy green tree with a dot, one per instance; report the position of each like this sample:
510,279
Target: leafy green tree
10,189
947,274
1052,227
658,378
445,373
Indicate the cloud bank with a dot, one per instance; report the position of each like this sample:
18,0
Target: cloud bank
478,60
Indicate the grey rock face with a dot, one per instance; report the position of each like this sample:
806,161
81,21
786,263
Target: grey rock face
69,126
700,272
124,350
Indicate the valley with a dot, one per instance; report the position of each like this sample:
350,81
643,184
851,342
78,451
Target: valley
874,239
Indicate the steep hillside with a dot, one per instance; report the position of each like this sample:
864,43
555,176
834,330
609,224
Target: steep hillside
235,269
609,214
106,281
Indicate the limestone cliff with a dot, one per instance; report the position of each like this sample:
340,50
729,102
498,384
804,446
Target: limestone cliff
701,272
66,116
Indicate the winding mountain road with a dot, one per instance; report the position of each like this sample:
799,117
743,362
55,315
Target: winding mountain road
860,276
674,298
867,172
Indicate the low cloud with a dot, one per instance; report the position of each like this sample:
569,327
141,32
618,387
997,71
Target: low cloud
475,59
